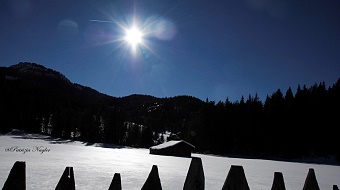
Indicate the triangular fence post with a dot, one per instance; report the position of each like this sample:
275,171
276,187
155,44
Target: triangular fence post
153,181
236,179
17,177
195,177
335,187
116,183
311,183
278,182
67,181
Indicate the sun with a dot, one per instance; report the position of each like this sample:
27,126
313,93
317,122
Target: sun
133,36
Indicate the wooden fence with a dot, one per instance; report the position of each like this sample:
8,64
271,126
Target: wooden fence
236,179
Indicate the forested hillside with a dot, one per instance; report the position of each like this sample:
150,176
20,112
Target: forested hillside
38,99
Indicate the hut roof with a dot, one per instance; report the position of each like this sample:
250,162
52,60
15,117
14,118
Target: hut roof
170,144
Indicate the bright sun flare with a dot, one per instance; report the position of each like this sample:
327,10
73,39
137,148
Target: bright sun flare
133,36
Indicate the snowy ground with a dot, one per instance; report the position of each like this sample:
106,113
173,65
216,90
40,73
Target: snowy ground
94,166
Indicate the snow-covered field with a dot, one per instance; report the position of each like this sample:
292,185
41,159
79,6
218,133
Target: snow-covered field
95,165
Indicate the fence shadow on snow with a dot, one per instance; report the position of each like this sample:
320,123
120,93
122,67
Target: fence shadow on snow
235,180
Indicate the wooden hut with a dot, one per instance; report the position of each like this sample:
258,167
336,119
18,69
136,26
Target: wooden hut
173,148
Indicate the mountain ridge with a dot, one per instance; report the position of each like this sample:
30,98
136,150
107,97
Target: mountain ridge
28,69
33,68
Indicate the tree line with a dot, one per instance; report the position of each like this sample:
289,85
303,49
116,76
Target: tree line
285,125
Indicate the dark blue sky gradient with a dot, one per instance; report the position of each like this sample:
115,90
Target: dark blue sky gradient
203,48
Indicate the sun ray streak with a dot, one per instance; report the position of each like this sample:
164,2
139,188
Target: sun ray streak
104,21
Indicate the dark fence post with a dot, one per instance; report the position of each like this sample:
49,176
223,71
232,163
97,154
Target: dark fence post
311,183
278,183
16,179
236,179
153,182
116,183
195,177
66,181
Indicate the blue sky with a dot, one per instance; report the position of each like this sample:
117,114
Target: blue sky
203,48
